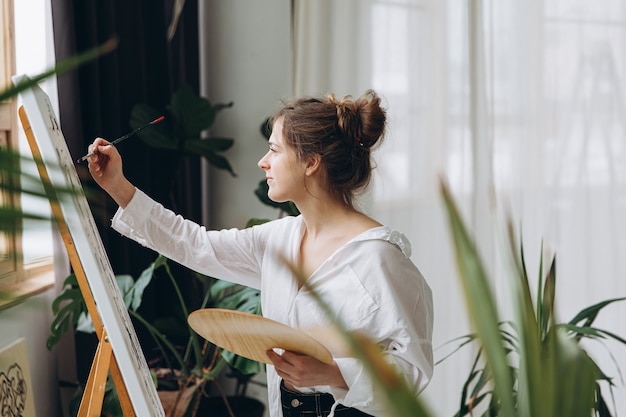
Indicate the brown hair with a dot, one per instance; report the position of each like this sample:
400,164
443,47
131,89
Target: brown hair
343,132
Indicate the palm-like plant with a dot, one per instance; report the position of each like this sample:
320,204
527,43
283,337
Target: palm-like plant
531,366
478,386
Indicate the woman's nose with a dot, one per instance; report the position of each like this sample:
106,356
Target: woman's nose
262,162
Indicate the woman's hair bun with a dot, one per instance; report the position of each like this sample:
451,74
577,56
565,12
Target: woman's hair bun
342,132
363,119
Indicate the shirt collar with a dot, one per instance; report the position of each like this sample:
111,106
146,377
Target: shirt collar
385,233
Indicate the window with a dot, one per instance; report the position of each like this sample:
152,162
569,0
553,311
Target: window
26,254
8,240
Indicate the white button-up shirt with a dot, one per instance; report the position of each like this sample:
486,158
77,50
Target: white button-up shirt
369,282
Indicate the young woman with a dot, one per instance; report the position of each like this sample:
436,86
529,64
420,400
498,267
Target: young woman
320,158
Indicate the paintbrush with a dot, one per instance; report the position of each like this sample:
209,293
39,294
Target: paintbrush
121,138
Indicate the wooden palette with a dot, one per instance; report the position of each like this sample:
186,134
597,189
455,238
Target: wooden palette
250,335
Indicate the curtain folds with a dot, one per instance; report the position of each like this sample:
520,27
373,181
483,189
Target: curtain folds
331,59
520,107
97,99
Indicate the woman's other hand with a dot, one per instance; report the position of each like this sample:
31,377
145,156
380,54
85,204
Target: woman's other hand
298,370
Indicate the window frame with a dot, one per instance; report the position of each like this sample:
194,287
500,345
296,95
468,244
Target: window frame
18,280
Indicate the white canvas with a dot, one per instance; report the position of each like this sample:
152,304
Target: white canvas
93,258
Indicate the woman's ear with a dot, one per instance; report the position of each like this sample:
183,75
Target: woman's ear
313,165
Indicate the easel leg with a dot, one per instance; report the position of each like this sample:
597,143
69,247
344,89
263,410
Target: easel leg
122,392
91,404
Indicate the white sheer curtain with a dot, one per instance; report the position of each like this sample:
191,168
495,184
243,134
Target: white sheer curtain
519,105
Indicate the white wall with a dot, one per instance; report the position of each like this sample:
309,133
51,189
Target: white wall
31,321
247,60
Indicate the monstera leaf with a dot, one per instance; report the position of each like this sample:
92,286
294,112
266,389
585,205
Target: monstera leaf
186,118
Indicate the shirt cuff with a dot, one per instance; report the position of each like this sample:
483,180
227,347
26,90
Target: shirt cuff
134,216
360,391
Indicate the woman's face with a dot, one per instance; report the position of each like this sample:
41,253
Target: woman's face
283,171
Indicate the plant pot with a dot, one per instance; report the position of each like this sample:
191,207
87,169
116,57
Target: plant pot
241,406
175,403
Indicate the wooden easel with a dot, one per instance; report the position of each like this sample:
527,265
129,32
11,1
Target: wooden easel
104,360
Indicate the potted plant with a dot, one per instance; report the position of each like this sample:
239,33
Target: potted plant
533,366
181,370
478,386
187,369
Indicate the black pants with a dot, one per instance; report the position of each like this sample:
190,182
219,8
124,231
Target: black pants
296,404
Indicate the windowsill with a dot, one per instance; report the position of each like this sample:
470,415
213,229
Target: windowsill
38,277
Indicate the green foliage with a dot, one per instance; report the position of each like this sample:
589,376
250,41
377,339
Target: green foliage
199,361
186,117
67,308
480,304
13,182
530,366
288,207
60,68
110,405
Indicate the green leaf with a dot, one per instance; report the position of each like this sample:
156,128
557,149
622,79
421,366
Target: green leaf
288,207
219,162
15,181
266,128
194,114
62,67
256,221
111,405
67,308
573,392
125,284
160,135
480,303
543,321
244,365
172,327
219,287
590,313
612,335
535,377
245,299
585,331
134,296
547,305
186,118
209,145
208,149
